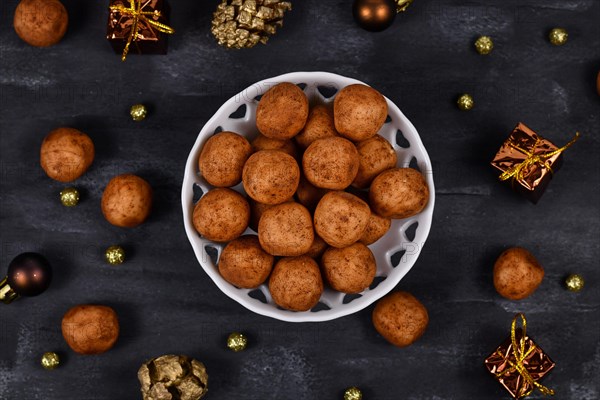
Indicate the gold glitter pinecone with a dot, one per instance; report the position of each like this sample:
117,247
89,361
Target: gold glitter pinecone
240,24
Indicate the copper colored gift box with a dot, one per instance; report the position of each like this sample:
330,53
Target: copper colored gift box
520,369
534,177
149,39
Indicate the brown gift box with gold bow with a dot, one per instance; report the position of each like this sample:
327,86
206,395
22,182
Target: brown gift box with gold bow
519,363
528,161
138,26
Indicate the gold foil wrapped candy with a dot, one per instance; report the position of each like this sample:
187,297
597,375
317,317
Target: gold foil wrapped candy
241,24
173,377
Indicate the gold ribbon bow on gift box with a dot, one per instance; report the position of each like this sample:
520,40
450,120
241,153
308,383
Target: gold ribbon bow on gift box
517,171
135,11
521,355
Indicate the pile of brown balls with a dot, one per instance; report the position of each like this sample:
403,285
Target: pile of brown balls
321,186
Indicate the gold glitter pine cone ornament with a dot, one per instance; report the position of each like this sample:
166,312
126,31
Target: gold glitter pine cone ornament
173,377
241,24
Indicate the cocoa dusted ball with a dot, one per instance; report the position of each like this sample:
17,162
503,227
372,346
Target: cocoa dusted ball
66,154
296,283
376,155
517,274
264,143
90,329
399,193
377,227
223,157
127,201
41,23
341,218
317,248
331,163
319,125
286,230
244,264
282,111
271,176
359,111
350,269
400,318
308,194
221,215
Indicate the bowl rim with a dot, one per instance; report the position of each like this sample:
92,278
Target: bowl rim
198,243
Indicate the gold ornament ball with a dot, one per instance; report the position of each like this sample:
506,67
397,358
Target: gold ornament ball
237,341
138,112
484,45
465,102
558,36
353,393
50,360
574,282
69,197
115,255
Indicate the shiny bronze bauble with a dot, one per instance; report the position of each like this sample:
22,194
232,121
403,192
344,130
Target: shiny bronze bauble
29,274
374,15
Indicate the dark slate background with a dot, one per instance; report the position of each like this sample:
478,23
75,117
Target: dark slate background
167,304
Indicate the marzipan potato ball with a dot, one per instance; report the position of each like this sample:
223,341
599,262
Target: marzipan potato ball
331,163
400,318
221,215
359,111
41,23
282,111
127,201
341,218
399,193
264,143
244,264
286,230
517,274
223,157
376,229
317,248
376,155
271,176
296,283
350,269
319,125
90,329
309,195
66,154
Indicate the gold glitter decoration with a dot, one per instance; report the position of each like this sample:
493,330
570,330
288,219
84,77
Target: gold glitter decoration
237,341
241,24
402,5
465,102
484,45
138,112
574,282
50,360
115,255
558,36
353,393
69,197
173,377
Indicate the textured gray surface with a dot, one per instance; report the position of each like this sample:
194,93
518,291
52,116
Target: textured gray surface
165,301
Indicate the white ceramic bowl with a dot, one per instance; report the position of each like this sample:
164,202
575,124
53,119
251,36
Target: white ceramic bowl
238,115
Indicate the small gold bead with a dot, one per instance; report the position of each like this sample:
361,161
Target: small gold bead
353,393
558,36
69,197
465,102
574,282
115,255
138,112
50,360
484,45
237,341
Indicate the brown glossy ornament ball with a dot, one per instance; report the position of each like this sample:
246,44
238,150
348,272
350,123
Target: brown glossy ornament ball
90,329
374,15
41,23
29,274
